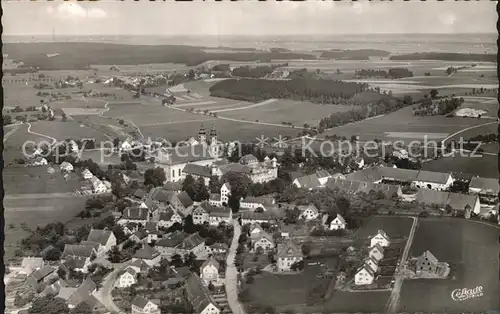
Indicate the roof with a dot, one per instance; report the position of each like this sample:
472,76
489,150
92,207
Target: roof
77,250
140,234
172,186
146,252
340,218
429,256
82,292
172,240
198,295
367,269
211,261
382,233
215,197
459,201
65,164
151,226
306,207
185,199
398,174
427,196
366,175
433,177
130,270
167,214
379,247
191,241
235,167
197,170
93,245
288,249
161,195
140,302
248,159
75,262
322,174
264,235
191,153
66,292
486,185
135,213
43,272
267,215
309,182
99,236
219,246
263,199
295,174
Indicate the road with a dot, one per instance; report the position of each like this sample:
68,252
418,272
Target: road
393,302
104,293
39,134
232,274
466,129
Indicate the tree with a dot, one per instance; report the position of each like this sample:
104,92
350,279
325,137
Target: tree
176,261
63,117
202,193
189,226
155,176
82,308
114,255
234,203
191,74
7,119
121,122
49,305
214,184
116,189
306,249
116,142
434,92
189,186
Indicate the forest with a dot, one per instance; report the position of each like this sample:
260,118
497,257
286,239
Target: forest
447,56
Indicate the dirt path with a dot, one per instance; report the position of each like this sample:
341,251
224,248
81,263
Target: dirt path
232,274
54,140
262,103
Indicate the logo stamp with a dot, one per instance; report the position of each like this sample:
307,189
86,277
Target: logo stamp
465,294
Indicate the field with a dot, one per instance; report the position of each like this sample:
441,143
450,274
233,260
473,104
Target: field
395,227
488,104
28,180
472,249
484,166
69,129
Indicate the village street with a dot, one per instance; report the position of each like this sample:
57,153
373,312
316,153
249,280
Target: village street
104,293
393,302
232,273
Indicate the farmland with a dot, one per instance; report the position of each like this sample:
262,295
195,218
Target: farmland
472,249
69,129
395,227
484,166
22,180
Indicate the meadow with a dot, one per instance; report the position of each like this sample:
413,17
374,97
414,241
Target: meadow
471,248
71,129
395,227
483,166
27,180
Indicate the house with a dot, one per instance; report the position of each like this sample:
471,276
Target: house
249,217
66,166
127,278
323,176
200,298
450,201
336,222
30,264
141,305
263,241
212,214
288,254
209,271
199,171
140,236
486,188
98,186
87,175
255,230
217,248
39,276
380,238
139,194
308,212
308,182
253,203
225,191
168,217
39,161
372,263
200,213
83,293
433,180
427,262
149,255
139,266
181,243
364,276
153,234
78,257
175,187
135,215
376,252
105,238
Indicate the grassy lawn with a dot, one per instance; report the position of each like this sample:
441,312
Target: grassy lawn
252,260
472,250
36,180
484,166
69,129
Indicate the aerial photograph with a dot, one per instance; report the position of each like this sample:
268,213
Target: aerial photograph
250,157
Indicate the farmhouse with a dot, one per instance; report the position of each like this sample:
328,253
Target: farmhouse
39,276
427,262
336,222
141,305
209,271
352,187
140,236
308,182
181,243
84,293
199,171
149,255
200,298
380,238
433,180
263,241
168,217
77,256
105,238
450,201
486,188
127,278
308,212
376,252
364,276
252,203
135,215
249,217
181,202
288,254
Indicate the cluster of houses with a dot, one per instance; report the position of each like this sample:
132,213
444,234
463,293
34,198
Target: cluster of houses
366,274
98,186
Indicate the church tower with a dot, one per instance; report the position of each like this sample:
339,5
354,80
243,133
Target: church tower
213,136
202,135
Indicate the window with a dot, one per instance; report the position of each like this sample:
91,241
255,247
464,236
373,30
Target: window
179,172
173,173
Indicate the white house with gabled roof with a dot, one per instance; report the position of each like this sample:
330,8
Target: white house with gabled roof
380,238
337,223
372,263
86,174
376,252
225,190
66,166
308,212
364,276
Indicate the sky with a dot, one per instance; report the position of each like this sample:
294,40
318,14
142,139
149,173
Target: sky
246,17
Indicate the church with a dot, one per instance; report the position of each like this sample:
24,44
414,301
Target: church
200,153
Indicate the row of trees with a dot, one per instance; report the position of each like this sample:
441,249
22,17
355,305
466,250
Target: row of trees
315,90
442,107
